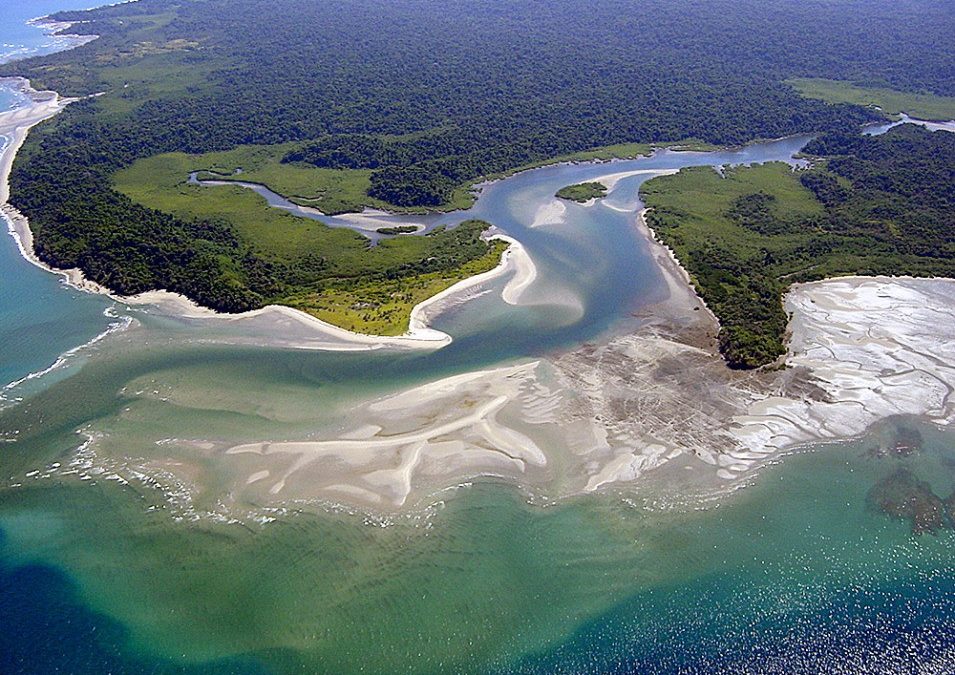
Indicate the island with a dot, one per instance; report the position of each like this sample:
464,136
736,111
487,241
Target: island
582,192
399,229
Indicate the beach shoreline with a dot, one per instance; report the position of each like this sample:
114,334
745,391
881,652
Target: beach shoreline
16,125
643,413
596,418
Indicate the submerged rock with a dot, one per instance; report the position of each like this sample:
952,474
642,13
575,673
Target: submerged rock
902,495
903,442
950,508
908,441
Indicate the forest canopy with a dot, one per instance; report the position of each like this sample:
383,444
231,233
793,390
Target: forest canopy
423,95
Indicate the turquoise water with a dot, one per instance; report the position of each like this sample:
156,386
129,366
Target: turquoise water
40,319
20,39
798,573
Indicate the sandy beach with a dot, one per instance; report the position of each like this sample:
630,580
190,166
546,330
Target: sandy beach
656,402
15,126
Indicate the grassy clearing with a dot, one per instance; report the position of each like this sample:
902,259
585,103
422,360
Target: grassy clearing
920,106
331,191
330,273
699,198
384,307
161,182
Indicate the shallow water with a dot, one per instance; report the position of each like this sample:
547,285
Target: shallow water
796,573
20,39
40,319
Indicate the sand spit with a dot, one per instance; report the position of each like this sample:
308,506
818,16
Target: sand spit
657,404
274,324
555,211
284,326
610,180
277,325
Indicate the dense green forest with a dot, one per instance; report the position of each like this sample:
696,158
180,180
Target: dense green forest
582,192
870,205
421,96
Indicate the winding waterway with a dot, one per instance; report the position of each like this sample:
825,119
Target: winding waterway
103,572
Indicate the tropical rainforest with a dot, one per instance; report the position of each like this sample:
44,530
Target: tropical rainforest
415,99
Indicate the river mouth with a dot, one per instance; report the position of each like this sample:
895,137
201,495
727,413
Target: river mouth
563,383
594,271
187,494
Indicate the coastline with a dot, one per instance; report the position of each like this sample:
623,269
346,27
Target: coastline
646,411
683,301
16,125
604,415
325,336
55,29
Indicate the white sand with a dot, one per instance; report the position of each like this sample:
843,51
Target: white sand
525,272
601,415
514,258
605,415
419,436
682,295
553,212
878,346
16,124
610,180
370,220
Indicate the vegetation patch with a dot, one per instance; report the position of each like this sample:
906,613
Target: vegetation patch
892,102
583,192
400,229
337,106
383,306
876,205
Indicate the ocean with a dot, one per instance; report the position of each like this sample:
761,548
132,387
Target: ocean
799,571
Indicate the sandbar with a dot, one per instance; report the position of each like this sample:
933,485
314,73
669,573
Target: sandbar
16,124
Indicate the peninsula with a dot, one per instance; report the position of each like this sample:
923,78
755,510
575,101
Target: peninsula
877,205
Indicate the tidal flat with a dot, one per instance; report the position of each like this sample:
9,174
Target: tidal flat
560,487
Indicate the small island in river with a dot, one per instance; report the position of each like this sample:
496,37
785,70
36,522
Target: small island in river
583,192
578,483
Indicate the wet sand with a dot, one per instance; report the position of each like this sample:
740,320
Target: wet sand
313,333
653,408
